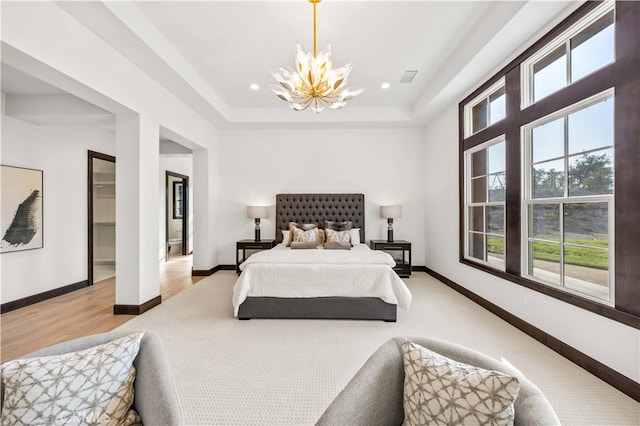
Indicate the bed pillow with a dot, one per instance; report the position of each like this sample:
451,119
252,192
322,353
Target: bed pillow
338,226
332,236
92,386
335,245
303,245
286,238
321,237
355,236
439,390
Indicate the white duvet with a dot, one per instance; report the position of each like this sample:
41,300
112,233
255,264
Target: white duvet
283,272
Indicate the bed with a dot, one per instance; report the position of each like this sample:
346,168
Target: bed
319,284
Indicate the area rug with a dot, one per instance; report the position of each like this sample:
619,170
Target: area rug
286,372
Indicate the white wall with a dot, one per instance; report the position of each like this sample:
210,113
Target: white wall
609,342
182,164
386,165
48,43
61,153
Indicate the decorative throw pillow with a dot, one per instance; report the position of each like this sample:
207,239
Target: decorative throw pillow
321,237
302,245
338,226
439,390
337,236
298,235
303,226
90,386
300,226
334,245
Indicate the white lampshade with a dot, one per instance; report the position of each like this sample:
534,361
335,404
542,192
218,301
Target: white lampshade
390,212
256,212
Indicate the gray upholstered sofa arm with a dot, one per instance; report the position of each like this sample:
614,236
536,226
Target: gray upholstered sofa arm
374,395
155,395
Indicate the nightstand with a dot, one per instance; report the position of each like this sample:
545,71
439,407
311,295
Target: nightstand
400,250
252,246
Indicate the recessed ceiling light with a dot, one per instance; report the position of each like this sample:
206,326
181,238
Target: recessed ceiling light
254,86
385,85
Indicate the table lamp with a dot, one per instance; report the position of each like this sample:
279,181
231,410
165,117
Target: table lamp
390,213
256,212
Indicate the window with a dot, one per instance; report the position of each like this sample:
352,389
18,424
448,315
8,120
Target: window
568,199
486,184
566,225
576,53
486,110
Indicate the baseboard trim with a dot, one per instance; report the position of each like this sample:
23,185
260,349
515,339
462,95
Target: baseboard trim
202,272
419,269
595,367
137,309
225,268
41,297
207,272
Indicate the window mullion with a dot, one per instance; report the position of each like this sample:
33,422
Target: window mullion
567,48
566,155
562,274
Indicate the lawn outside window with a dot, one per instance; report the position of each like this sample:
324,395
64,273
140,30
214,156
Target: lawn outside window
485,195
568,204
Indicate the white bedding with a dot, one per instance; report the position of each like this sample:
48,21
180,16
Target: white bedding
283,272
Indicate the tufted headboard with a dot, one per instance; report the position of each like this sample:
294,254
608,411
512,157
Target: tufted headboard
316,208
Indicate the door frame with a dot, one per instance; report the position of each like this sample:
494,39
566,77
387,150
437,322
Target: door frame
90,156
185,212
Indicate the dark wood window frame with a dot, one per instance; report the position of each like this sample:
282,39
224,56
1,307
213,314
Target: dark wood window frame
624,76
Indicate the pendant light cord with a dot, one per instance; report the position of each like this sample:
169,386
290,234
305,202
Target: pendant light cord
314,29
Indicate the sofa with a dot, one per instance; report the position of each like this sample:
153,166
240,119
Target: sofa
374,396
155,397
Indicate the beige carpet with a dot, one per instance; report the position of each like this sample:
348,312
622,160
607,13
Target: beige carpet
285,372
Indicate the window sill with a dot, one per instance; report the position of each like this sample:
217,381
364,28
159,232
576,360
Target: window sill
589,305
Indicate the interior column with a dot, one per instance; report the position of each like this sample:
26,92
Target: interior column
137,219
204,195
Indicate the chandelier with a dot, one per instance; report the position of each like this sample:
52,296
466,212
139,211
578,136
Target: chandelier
314,83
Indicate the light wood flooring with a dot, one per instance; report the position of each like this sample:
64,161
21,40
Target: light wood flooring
80,313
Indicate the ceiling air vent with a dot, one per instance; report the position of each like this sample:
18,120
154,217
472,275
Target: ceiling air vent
408,76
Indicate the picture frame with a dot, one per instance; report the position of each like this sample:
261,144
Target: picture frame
178,198
21,210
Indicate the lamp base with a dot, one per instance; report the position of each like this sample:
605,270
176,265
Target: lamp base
257,233
390,235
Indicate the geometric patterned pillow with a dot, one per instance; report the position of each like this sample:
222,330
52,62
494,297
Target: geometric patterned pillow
337,236
308,236
90,386
441,391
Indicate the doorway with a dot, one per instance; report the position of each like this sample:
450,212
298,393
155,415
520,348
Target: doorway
101,198
176,215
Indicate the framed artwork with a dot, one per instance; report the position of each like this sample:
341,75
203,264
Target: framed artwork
177,200
20,209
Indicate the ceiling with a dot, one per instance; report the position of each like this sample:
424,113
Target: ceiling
209,52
